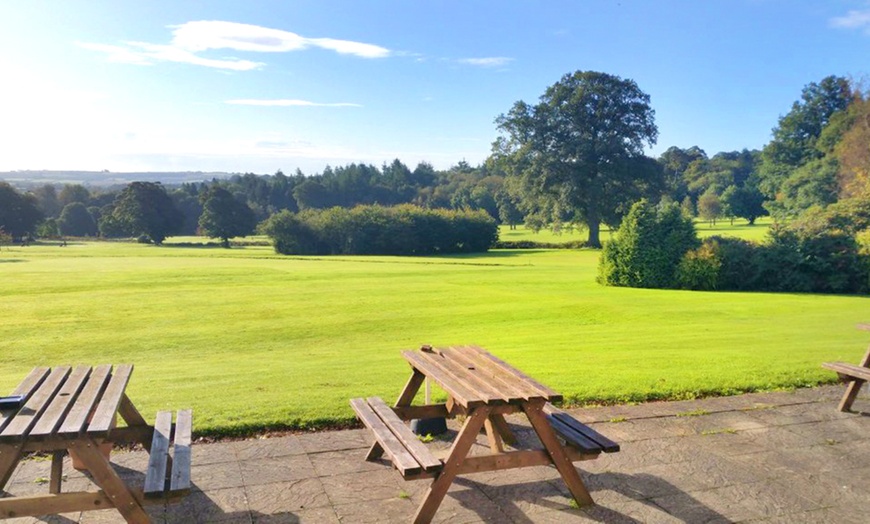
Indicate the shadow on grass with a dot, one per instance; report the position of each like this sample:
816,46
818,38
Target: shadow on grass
11,260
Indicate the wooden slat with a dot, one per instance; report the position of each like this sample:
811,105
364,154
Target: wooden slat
606,444
28,416
541,389
506,385
155,476
425,364
851,370
24,389
481,387
106,410
35,505
517,459
573,437
404,434
402,460
75,421
426,411
61,404
180,479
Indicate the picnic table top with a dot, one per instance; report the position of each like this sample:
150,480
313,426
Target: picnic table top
474,377
66,402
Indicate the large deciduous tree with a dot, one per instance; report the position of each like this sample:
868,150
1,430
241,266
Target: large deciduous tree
578,153
144,208
75,220
225,217
19,213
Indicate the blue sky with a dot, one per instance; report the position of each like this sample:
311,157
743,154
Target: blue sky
259,86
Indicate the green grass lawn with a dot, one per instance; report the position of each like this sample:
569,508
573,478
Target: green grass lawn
741,228
251,339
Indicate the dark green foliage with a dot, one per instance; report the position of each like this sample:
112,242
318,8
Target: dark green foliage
75,220
793,260
378,230
648,247
143,208
578,153
19,213
225,217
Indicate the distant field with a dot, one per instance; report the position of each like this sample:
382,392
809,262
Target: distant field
251,339
740,229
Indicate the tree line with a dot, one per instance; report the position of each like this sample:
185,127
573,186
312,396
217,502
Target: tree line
575,156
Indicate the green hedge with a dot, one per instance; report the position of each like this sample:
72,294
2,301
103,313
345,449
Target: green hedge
379,230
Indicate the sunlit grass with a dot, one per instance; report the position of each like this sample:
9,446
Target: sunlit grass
251,339
740,228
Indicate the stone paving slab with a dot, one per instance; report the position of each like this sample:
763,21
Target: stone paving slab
768,457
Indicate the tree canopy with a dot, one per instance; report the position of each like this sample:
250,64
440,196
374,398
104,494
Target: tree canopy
144,208
19,213
578,153
225,217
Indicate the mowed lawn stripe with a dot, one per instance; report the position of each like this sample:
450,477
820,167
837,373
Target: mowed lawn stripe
252,340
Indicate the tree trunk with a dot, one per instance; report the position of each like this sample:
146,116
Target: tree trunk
594,229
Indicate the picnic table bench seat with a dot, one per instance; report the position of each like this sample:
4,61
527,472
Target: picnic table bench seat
577,434
856,376
168,475
409,456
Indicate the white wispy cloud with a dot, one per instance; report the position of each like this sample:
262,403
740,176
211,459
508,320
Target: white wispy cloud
854,19
281,102
488,61
192,38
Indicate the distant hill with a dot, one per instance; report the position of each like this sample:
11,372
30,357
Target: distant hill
27,179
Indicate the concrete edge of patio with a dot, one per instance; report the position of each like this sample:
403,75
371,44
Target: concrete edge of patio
760,457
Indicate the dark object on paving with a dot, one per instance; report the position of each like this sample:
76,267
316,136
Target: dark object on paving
429,426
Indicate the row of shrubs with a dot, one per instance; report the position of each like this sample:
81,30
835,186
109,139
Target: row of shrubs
379,230
657,247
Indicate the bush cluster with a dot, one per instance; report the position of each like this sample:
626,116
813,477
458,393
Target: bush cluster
791,260
656,247
648,247
379,230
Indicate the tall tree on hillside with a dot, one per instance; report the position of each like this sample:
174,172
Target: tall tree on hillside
19,213
225,217
795,138
144,208
76,221
577,150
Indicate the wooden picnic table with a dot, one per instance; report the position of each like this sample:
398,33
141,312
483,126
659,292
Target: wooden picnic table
484,389
75,410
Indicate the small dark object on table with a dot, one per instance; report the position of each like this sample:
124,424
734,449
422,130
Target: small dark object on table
12,402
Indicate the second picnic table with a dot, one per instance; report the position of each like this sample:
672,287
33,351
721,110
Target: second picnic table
75,409
484,389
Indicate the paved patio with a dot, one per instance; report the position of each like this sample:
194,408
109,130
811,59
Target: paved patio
771,457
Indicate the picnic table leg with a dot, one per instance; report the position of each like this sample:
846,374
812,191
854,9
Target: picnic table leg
466,437
121,495
501,425
405,399
557,454
133,418
56,472
492,435
854,386
10,454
